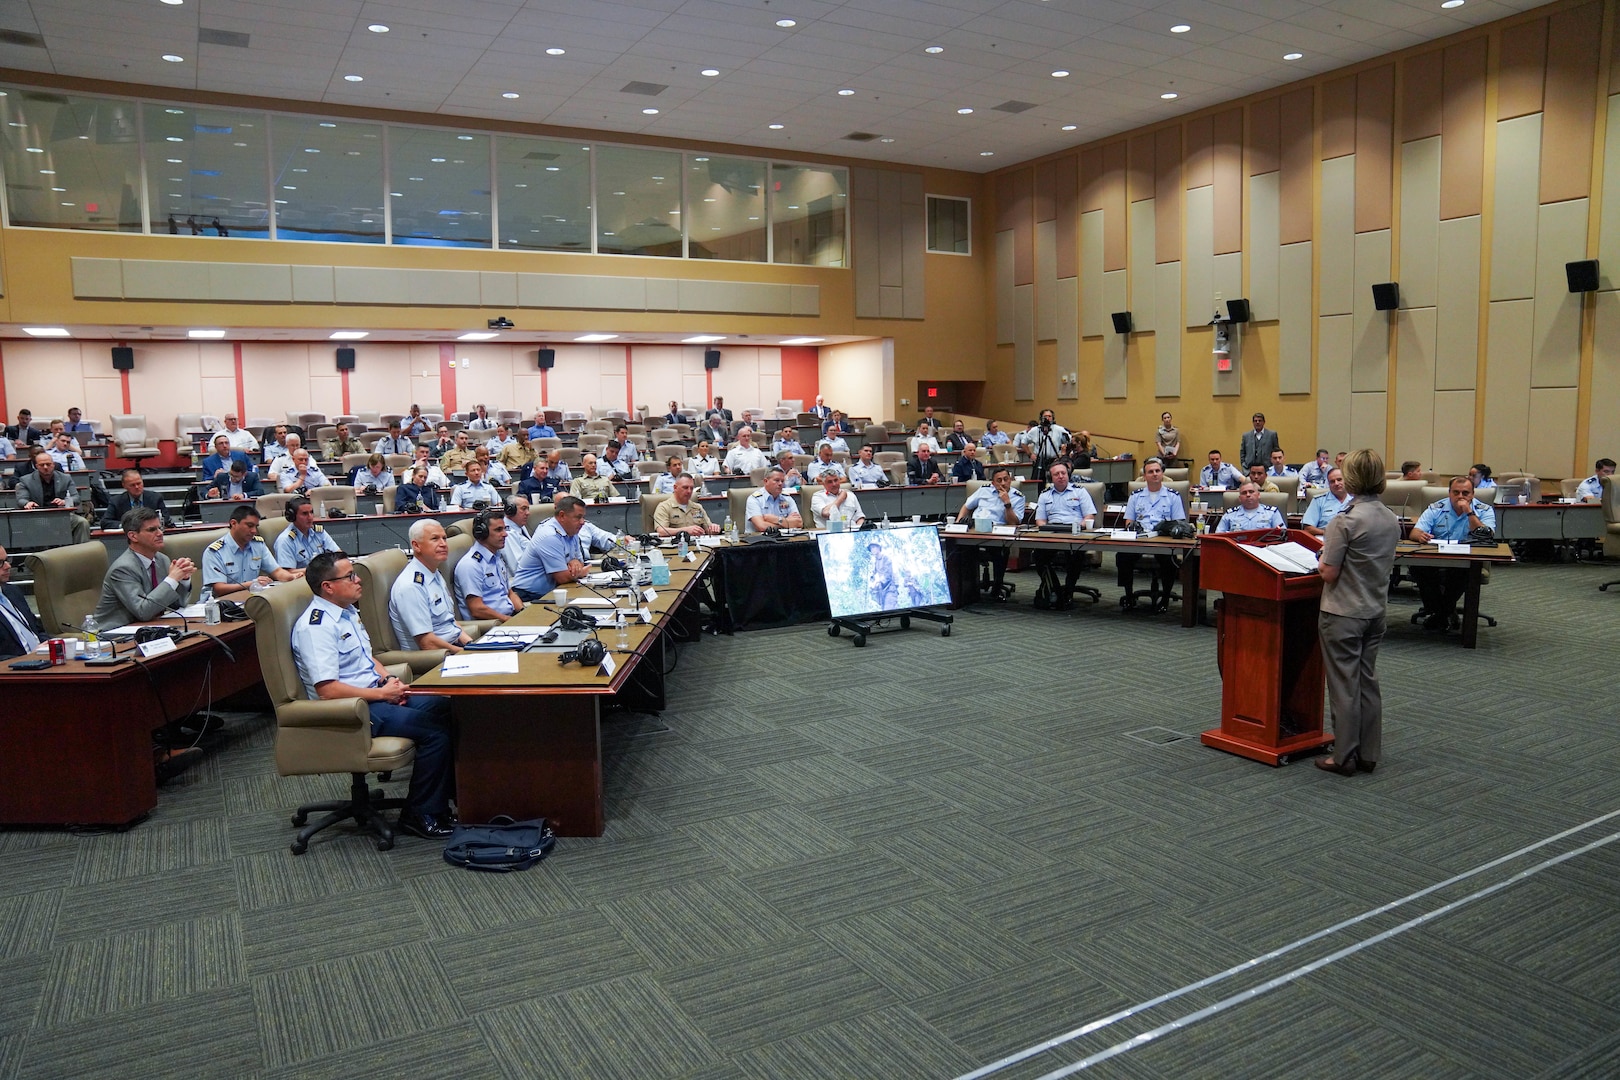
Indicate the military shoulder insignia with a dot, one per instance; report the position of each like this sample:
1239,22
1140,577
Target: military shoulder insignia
320,528
478,556
419,578
217,545
316,616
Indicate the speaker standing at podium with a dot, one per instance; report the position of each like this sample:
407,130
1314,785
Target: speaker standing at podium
1358,552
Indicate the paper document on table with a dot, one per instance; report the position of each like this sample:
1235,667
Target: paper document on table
591,601
500,663
1290,558
514,633
193,611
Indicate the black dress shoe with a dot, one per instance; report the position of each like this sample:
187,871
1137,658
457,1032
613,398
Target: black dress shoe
1366,766
426,826
1343,768
201,725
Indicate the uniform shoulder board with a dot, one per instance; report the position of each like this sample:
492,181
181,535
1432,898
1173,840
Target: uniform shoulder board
320,528
478,556
217,545
420,580
256,540
315,617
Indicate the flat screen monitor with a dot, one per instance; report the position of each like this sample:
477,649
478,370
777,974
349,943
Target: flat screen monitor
882,570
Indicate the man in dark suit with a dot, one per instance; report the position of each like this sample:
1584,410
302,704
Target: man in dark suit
1257,444
45,488
674,416
133,495
720,407
238,482
142,583
20,630
221,458
20,432
820,409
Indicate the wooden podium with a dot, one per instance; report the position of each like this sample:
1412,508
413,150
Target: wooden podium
1272,683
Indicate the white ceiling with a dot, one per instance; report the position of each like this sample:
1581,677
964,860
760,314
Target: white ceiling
455,58
530,332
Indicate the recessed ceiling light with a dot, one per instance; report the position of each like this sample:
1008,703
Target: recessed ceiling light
596,337
46,331
987,153
801,340
348,335
173,59
36,149
1169,96
1060,73
437,160
378,28
774,127
787,24
174,160
209,334
354,78
934,50
963,112
554,51
174,3
1293,56
327,124
510,96
846,93
886,140
710,72
549,168
649,112
477,335
1180,28
58,189
703,339
1070,127
174,138
1452,4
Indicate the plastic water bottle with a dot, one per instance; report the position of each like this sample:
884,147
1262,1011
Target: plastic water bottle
210,607
1527,494
885,524
681,547
623,628
92,635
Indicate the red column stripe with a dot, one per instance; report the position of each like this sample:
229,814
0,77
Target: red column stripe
629,383
241,391
4,410
447,376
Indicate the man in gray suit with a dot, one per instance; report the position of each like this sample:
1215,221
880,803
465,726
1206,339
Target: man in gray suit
45,488
1257,444
142,583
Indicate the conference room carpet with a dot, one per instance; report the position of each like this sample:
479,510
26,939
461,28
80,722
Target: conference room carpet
903,861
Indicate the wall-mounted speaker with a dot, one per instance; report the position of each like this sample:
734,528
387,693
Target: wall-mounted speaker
1237,310
711,359
345,357
1122,322
1386,295
123,358
1583,275
547,359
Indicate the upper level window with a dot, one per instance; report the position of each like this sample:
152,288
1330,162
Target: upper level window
71,162
950,222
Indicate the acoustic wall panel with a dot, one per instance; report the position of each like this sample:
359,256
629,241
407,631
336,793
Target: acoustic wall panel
1143,294
497,289
1226,277
1456,346
1294,320
1609,223
1369,421
1509,333
1024,342
1556,351
1045,280
1336,292
1453,432
151,279
582,291
892,301
1414,385
1068,337
1198,265
1420,222
103,279
1263,245
1334,335
1114,375
1093,315
314,285
1550,446
1604,407
1167,331
865,216
1574,40
1513,221
1370,359
249,283
1004,287
914,241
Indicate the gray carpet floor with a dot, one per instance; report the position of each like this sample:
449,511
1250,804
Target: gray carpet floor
909,860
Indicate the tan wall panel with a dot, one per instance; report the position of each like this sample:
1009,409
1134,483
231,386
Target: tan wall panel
1198,268
1167,331
1420,222
576,381
1337,242
487,379
656,373
1298,163
1422,83
1294,320
1225,278
1414,385
275,379
1045,191
1551,448
1561,238
867,247
1265,136
1603,436
1167,190
1508,337
1339,117
216,359
1334,335
1609,223
1045,280
1091,170
1453,432
497,289
313,285
1004,287
1200,152
1456,350
1375,121
166,381
1462,162
848,375
1024,341
152,279
892,298
1227,176
1140,176
382,374
1144,310
1263,246
1369,421
1068,334
1513,222
1066,192
1092,316
1113,204
1521,72
253,283
1115,383
1007,203
1023,221
97,279
1370,358
1573,41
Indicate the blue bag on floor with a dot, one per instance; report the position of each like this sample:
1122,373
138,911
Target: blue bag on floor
500,845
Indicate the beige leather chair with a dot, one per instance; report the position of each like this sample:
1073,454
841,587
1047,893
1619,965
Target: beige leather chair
1281,500
1431,493
329,495
1611,515
664,451
1405,497
377,573
130,436
272,506
67,584
737,505
315,737
191,545
663,435
649,467
1288,485
270,528
649,507
352,462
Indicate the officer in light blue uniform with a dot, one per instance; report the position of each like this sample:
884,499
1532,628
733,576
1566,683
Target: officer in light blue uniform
1324,508
988,498
473,489
482,573
1242,518
1146,508
556,554
769,501
1592,486
235,562
1442,521
1063,506
1218,473
1062,503
302,540
420,604
1454,518
865,471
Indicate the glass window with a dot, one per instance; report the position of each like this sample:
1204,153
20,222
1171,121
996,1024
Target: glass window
205,171
948,225
638,205
71,162
545,192
328,179
808,208
725,208
440,182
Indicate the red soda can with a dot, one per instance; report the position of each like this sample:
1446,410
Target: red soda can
58,650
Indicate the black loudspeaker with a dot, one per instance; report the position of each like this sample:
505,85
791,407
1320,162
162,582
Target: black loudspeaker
547,359
1386,296
123,358
345,357
1583,275
1237,311
1122,322
711,358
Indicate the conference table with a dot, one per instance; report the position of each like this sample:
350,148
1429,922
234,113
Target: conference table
529,744
1553,521
32,530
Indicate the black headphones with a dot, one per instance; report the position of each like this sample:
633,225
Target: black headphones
509,507
480,524
613,565
573,617
589,654
293,506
